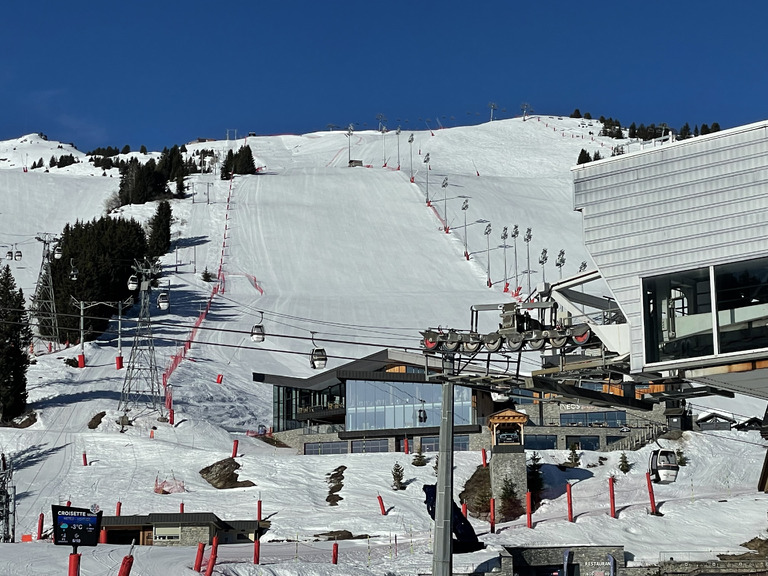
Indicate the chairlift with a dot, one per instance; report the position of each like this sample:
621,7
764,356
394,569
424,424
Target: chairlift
422,413
257,332
133,283
73,270
317,358
662,466
163,301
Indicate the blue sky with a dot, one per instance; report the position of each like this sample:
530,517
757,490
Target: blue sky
164,73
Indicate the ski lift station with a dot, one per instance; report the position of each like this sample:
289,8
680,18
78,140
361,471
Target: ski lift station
677,237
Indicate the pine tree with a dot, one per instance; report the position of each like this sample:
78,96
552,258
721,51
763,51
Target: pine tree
397,477
584,157
15,336
143,149
511,507
535,480
624,463
573,457
126,149
419,459
576,114
159,241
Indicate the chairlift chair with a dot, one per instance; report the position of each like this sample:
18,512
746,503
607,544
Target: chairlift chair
257,332
163,301
133,283
663,467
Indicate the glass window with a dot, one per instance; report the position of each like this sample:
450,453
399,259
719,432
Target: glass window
540,442
432,443
370,445
741,291
373,405
589,442
678,316
318,448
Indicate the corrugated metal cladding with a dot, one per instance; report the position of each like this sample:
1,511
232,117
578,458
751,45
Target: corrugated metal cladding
693,203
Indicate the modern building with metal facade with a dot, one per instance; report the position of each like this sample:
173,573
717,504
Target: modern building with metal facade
679,231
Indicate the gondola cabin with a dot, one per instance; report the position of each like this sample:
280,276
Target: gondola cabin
17,255
9,255
163,301
257,333
133,283
318,358
57,253
663,467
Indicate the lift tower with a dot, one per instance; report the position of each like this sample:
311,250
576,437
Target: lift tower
141,387
43,310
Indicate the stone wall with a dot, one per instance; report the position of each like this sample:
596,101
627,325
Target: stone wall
508,465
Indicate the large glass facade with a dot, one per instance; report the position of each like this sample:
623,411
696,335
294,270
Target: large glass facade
677,309
375,405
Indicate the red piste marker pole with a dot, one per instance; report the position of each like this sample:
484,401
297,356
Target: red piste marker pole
234,448
612,496
335,553
381,506
650,493
528,511
74,565
199,557
493,516
570,502
40,520
256,551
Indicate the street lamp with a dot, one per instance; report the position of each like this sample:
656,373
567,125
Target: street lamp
560,262
488,252
464,208
504,236
350,130
384,144
446,228
543,260
527,240
515,233
398,147
426,161
410,141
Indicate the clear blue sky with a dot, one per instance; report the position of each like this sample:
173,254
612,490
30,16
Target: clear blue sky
165,72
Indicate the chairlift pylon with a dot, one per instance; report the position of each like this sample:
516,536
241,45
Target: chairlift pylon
257,332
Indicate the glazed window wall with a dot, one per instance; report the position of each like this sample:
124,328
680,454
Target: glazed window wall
320,448
372,445
678,311
609,419
540,442
373,405
432,443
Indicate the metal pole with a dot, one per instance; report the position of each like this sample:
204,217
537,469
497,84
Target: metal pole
410,142
445,204
504,237
464,208
442,560
515,232
120,329
82,327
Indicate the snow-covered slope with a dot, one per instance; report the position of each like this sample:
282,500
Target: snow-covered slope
355,260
